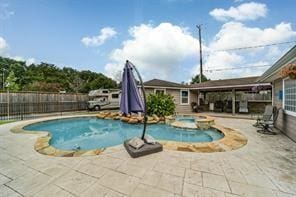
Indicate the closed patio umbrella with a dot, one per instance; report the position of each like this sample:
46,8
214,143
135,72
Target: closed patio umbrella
130,97
131,101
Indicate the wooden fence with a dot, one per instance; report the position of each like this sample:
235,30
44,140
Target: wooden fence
23,105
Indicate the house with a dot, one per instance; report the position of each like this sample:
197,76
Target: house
284,91
233,90
181,93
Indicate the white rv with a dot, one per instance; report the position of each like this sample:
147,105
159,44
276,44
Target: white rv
103,99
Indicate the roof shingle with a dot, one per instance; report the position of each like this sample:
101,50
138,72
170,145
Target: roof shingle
217,84
163,83
226,82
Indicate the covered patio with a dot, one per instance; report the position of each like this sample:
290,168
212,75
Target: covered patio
230,92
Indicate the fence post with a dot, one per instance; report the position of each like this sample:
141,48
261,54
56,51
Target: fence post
60,106
21,110
8,103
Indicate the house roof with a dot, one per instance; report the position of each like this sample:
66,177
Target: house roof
223,84
283,61
163,83
227,83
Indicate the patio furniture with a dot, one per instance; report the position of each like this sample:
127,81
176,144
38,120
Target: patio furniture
194,107
243,106
211,106
228,107
218,106
131,102
266,116
267,125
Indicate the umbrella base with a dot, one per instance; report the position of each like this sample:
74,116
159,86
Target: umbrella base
144,150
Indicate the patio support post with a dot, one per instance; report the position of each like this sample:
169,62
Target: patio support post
198,104
233,101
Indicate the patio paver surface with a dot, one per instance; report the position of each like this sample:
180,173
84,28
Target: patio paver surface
264,167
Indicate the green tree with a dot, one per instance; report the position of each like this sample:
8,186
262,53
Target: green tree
160,104
195,79
44,86
19,68
51,78
11,82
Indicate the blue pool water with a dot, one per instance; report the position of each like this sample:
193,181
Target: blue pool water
92,133
185,119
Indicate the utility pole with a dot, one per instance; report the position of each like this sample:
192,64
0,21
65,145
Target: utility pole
200,52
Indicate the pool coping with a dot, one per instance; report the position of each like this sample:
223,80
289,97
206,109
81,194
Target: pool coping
205,122
232,140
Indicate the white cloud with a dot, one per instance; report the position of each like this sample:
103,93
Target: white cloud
158,51
4,53
105,34
28,61
218,60
226,59
231,67
243,12
18,58
3,45
5,13
234,35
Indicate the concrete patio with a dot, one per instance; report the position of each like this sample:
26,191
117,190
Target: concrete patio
264,167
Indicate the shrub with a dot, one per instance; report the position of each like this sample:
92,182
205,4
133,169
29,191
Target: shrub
160,105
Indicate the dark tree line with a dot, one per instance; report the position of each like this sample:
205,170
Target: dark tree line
16,75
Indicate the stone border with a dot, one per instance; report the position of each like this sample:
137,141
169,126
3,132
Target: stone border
232,140
203,122
42,145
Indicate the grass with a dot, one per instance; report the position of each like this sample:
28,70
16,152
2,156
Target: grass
5,121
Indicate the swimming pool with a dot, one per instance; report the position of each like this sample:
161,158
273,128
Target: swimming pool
91,133
188,119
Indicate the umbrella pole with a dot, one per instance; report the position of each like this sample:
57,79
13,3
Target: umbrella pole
144,95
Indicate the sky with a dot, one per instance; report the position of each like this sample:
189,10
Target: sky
159,36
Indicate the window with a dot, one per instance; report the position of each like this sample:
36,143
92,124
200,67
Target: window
289,96
184,97
114,96
159,91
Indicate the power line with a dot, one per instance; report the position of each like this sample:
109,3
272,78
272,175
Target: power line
253,47
236,68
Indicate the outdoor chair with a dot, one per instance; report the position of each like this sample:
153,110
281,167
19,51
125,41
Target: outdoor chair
228,107
266,116
218,107
243,106
194,107
266,125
